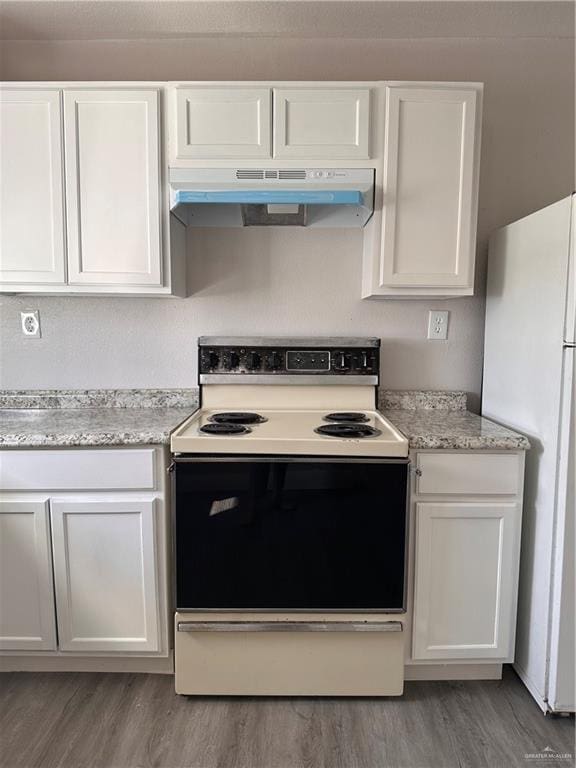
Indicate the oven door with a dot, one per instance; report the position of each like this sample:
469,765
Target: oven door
296,534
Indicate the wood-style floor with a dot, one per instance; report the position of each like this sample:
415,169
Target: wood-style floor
94,720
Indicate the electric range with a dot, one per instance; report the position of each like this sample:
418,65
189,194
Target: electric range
290,497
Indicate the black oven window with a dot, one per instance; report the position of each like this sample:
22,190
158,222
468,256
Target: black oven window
265,535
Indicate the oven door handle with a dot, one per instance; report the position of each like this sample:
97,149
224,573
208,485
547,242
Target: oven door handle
289,626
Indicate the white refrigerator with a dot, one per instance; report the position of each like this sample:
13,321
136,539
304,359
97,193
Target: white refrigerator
529,385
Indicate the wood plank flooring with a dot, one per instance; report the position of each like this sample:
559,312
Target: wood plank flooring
93,720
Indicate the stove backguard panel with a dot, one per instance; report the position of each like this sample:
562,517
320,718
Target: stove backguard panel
284,360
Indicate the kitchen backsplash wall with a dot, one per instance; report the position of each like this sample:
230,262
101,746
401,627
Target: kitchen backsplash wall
264,281
250,281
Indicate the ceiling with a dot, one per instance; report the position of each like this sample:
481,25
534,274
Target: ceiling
162,19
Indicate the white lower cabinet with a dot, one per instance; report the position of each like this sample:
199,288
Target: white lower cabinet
105,569
27,617
466,559
84,558
465,580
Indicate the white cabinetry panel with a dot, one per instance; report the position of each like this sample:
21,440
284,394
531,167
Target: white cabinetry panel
31,187
466,580
105,567
222,123
429,203
27,614
321,123
113,186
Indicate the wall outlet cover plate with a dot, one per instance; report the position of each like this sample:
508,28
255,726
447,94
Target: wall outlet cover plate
30,323
438,324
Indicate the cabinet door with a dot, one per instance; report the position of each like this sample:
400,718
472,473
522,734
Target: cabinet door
113,187
222,123
322,122
466,580
105,569
31,187
27,614
429,190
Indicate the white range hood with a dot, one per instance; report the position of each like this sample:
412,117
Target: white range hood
309,197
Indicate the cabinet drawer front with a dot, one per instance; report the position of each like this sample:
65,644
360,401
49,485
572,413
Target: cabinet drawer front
222,123
77,469
469,473
321,122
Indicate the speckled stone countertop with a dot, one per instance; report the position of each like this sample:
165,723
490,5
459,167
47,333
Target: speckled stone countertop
52,418
48,418
432,419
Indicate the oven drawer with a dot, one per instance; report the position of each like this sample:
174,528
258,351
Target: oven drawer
78,469
277,658
468,473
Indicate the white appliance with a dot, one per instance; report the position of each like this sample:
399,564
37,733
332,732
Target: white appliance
290,498
258,197
529,385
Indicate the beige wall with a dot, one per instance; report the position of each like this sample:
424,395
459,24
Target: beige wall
301,282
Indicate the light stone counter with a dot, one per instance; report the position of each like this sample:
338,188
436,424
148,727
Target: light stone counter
432,420
47,418
52,418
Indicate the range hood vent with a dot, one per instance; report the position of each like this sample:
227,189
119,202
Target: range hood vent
304,197
287,173
250,174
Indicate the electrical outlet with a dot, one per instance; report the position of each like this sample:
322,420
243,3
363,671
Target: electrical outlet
30,323
438,324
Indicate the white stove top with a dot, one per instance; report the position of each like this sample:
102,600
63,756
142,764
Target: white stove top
289,431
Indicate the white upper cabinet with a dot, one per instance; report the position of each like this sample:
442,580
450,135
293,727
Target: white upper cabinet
106,574
466,580
223,123
31,193
27,613
241,123
113,186
84,206
429,195
322,123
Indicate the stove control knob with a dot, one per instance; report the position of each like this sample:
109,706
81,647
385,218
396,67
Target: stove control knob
213,360
231,360
274,361
363,361
253,361
341,362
